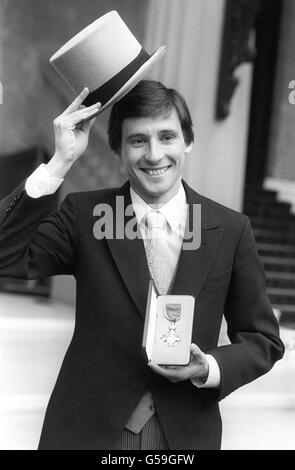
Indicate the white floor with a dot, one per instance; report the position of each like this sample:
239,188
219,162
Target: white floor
34,335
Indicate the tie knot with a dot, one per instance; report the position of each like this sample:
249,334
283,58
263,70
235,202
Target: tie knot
155,219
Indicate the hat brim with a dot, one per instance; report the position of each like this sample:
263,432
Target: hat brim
139,74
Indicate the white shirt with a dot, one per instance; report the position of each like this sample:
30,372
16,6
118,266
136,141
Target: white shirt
40,183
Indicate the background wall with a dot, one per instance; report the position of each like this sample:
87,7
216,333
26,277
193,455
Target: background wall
31,31
1,66
281,163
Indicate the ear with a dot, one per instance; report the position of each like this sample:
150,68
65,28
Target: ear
122,167
188,148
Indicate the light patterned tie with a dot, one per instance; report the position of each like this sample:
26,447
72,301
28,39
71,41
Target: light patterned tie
157,251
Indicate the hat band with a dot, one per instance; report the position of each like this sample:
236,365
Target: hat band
104,93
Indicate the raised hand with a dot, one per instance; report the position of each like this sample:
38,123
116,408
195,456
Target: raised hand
72,128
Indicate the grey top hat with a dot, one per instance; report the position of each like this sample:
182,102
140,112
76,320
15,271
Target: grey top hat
106,58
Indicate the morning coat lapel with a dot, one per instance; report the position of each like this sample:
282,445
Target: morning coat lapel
194,265
129,256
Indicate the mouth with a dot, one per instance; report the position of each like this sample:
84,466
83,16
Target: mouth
156,171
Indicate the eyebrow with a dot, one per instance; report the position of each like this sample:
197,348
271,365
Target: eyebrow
138,134
169,131
161,132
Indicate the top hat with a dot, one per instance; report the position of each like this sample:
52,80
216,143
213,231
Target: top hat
106,58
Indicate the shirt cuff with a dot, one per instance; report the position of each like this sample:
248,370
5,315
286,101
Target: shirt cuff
40,183
213,379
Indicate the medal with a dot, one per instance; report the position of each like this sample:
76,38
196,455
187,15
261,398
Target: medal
172,312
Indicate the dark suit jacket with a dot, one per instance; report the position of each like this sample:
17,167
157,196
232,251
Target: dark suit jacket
104,372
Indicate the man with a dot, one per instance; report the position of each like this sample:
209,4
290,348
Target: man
106,395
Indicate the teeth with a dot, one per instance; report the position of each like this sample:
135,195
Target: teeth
156,172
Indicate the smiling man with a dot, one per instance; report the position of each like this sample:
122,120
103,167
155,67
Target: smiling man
153,151
106,395
151,130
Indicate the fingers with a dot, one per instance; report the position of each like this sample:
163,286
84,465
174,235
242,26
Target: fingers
83,114
196,352
77,103
172,373
74,106
199,359
88,121
197,367
158,369
77,115
70,121
194,348
86,124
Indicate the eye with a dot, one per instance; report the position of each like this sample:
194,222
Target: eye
167,138
138,141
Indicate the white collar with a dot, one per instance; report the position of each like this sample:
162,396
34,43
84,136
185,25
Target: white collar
174,210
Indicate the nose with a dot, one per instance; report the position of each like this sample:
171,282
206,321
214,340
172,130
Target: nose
154,152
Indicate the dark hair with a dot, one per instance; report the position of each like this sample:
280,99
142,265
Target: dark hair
148,98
